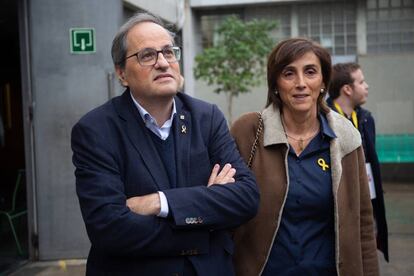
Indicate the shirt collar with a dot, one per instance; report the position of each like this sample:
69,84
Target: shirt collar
273,132
325,128
147,117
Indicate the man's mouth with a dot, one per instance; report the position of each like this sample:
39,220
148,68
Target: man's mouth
160,76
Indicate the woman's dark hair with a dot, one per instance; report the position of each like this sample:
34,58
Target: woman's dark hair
287,52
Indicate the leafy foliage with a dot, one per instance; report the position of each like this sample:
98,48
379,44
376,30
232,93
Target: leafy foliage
237,62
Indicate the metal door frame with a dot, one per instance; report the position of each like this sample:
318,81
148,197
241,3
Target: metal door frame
28,127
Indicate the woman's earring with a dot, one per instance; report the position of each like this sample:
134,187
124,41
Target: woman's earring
322,90
276,92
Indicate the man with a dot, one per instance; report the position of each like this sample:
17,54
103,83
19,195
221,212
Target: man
159,179
348,91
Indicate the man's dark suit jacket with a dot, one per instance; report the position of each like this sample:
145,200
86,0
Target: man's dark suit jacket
115,159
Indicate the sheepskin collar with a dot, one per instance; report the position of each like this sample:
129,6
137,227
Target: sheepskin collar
347,136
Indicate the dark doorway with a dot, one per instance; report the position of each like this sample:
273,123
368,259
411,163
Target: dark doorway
13,203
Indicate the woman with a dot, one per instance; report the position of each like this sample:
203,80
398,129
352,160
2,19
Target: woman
315,215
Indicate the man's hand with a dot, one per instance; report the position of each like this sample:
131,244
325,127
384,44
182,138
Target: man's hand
225,176
146,205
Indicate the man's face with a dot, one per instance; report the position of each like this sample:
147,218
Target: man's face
360,88
149,83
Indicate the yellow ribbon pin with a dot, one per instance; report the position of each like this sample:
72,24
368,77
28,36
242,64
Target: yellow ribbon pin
323,164
183,129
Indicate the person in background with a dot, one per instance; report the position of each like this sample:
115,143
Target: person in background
348,91
159,179
315,215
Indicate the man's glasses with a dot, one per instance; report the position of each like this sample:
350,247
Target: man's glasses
149,56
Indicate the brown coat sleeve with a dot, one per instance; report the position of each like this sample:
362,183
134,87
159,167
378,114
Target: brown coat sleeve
368,243
243,131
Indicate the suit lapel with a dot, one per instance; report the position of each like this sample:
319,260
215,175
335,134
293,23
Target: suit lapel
182,131
141,141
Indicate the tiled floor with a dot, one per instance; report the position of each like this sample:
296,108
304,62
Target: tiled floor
399,200
54,268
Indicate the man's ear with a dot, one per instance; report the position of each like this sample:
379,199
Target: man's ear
121,76
181,83
347,89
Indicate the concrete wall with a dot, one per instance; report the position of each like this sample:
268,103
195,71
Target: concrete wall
391,101
391,91
171,11
65,86
255,100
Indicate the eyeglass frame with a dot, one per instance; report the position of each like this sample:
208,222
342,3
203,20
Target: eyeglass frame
176,50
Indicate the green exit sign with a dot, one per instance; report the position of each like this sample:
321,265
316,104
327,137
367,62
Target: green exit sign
82,40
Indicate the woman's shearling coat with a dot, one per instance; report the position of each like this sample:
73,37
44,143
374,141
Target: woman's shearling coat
355,246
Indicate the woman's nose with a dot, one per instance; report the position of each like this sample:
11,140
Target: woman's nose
300,81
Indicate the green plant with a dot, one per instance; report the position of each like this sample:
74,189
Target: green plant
237,62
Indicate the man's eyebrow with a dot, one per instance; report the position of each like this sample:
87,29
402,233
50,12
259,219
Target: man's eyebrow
162,47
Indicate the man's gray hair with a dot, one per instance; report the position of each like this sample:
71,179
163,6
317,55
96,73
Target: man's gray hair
119,44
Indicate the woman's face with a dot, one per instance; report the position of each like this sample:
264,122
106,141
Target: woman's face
300,83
